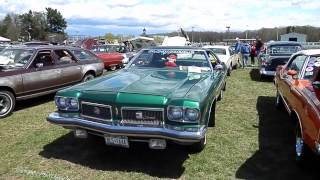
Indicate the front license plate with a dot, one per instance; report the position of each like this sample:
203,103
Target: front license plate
121,141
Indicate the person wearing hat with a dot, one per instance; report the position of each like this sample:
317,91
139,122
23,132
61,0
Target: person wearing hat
238,50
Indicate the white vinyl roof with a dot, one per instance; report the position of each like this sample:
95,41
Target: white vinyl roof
311,52
3,39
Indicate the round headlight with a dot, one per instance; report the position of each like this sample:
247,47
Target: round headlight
61,102
175,113
74,103
192,114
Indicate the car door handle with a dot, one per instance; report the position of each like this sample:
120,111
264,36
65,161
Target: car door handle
57,70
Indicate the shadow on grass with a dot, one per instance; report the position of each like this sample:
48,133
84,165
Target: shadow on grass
275,157
255,76
23,104
93,153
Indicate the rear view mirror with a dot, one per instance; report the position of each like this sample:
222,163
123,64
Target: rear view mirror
219,67
316,84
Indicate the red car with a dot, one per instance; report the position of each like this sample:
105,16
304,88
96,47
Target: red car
113,56
298,90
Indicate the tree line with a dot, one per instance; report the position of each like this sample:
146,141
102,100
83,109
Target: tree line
266,34
33,25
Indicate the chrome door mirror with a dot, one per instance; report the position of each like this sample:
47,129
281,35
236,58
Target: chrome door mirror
39,65
316,84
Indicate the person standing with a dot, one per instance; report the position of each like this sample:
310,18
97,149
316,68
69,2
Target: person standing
253,52
245,51
259,45
238,50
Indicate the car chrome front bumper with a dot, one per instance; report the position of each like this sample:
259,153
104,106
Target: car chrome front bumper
143,132
267,73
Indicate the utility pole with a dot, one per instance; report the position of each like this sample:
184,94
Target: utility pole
192,34
247,32
228,31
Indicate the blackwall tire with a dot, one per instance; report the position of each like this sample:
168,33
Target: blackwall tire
198,146
212,116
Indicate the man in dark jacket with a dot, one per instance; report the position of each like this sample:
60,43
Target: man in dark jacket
259,45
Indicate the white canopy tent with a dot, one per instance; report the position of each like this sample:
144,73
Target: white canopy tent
3,39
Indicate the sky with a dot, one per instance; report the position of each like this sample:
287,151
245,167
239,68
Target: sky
97,17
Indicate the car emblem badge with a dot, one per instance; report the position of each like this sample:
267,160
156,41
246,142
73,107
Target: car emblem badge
116,110
139,115
96,110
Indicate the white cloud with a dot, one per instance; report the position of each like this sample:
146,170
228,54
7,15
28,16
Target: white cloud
203,15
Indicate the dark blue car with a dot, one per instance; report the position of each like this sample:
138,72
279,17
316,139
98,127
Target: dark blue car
277,53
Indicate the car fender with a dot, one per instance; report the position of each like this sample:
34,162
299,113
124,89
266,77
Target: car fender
12,82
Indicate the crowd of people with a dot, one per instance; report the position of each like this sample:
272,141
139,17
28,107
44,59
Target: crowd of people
246,50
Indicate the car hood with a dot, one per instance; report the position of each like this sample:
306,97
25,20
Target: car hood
168,83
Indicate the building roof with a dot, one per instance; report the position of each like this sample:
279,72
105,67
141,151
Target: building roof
293,34
284,43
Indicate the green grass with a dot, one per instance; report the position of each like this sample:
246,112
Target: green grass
251,140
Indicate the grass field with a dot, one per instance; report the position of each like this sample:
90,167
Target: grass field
251,140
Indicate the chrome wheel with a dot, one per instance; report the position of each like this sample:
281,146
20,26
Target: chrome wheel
87,77
302,152
299,146
7,103
113,68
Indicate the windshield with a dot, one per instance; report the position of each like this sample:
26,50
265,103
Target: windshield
312,68
15,57
283,49
172,58
219,51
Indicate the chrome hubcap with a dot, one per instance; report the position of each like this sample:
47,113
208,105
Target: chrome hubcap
299,146
5,104
88,78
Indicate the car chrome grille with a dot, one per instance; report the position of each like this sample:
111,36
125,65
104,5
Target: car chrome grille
149,117
95,111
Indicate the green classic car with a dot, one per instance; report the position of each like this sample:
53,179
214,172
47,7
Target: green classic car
163,94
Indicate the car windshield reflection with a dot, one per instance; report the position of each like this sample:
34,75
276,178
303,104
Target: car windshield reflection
191,60
15,57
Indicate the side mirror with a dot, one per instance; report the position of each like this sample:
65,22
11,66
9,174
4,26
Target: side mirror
316,84
219,67
39,65
292,72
